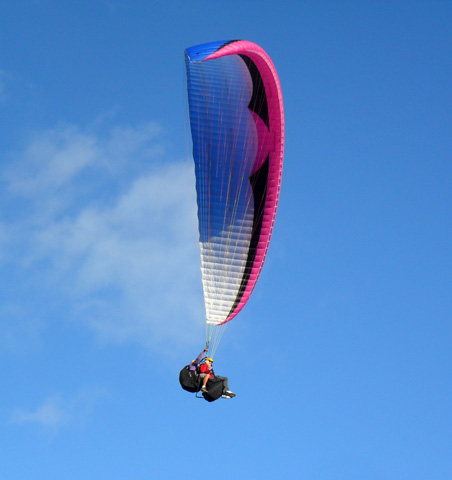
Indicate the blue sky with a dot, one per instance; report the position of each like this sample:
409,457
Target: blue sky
341,360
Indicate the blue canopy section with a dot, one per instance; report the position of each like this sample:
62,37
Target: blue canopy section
224,143
198,53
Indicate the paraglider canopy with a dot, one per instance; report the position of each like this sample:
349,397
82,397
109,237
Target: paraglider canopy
237,127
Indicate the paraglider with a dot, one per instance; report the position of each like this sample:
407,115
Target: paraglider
237,130
199,376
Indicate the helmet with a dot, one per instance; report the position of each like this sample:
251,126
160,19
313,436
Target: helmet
209,359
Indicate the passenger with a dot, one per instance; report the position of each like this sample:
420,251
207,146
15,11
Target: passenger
207,373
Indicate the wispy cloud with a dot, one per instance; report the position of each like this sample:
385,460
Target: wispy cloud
109,225
57,412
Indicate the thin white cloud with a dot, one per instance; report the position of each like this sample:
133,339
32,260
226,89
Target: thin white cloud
108,225
50,414
57,412
52,160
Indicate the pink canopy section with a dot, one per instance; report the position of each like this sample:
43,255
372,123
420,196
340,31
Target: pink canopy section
270,131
